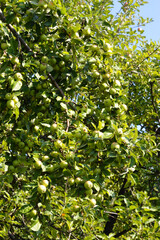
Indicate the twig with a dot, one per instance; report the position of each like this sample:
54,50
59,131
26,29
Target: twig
60,90
15,33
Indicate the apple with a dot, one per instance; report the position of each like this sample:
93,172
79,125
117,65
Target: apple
26,149
116,83
92,202
33,213
61,64
44,59
4,46
45,158
15,163
45,182
18,76
10,104
21,144
15,60
71,181
108,102
42,67
53,61
76,208
50,168
87,31
115,146
43,38
41,189
88,185
58,144
8,96
36,128
112,91
38,164
54,127
15,99
89,192
119,131
63,164
78,180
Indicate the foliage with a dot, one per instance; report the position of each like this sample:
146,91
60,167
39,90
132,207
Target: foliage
80,126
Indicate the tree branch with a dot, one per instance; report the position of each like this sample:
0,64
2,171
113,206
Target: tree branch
15,33
112,217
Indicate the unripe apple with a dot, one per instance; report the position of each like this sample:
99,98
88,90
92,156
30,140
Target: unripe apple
45,182
45,158
18,76
8,96
116,83
88,184
42,67
71,181
92,202
54,127
78,180
4,46
58,143
15,60
44,59
63,164
38,164
108,102
76,208
36,128
115,146
10,104
43,38
89,192
33,213
41,189
21,144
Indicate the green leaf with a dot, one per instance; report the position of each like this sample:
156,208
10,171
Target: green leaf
108,135
17,86
36,225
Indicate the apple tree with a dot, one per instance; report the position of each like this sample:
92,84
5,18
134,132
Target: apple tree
80,125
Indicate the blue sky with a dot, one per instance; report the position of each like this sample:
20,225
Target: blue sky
150,10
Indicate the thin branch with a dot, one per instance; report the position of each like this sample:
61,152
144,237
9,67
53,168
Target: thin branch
15,33
60,90
150,54
122,233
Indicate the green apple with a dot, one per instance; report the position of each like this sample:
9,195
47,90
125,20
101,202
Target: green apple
42,67
54,127
92,202
44,59
89,192
33,213
41,189
38,164
115,146
88,185
108,102
76,208
78,180
43,38
45,182
71,181
4,46
58,144
10,104
8,96
21,144
36,128
45,158
18,76
63,164
61,64
15,60
116,83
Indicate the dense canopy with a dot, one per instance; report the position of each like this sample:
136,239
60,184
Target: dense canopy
79,121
